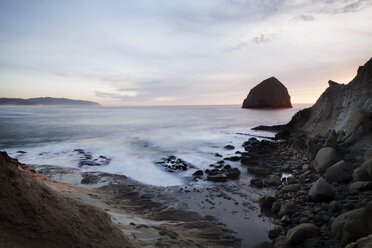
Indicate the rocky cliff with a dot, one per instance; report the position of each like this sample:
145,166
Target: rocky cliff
347,109
327,200
270,93
34,215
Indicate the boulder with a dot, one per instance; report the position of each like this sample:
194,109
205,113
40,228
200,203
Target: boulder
300,233
273,180
353,225
198,173
360,186
325,158
270,93
288,208
229,147
360,174
335,206
339,172
321,190
337,226
233,173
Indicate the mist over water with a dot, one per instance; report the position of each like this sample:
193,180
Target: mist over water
133,137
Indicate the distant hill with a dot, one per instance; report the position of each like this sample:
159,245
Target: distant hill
45,101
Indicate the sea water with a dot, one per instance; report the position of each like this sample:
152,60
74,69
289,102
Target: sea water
134,138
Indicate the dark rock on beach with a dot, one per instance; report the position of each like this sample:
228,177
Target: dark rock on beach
270,93
222,175
299,234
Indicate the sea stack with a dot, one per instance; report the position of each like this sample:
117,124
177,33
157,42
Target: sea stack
270,93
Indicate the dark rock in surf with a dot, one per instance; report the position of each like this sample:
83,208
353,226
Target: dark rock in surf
217,178
87,159
229,147
174,164
270,93
233,173
257,183
198,173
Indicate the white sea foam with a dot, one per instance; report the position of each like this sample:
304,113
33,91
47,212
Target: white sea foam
134,138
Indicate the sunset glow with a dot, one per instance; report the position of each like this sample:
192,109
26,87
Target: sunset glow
179,52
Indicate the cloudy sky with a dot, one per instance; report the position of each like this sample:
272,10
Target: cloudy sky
156,52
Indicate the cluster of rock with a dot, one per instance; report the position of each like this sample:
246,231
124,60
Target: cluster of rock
87,159
326,202
174,164
221,172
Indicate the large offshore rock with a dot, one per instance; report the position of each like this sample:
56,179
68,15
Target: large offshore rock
270,93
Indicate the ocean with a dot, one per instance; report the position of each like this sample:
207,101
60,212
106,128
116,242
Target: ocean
132,138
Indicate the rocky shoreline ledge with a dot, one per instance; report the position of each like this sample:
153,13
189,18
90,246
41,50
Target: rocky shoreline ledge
139,215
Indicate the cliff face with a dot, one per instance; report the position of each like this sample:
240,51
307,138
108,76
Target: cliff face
270,93
33,215
345,108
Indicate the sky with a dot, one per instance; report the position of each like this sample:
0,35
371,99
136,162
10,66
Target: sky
178,52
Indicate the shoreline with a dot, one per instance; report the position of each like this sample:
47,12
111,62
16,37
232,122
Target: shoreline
262,195
234,205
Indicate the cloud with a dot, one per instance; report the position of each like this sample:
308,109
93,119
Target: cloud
303,18
341,6
263,38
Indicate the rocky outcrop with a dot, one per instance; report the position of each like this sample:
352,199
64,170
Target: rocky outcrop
345,108
33,215
270,93
334,135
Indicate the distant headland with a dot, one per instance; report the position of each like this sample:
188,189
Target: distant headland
46,101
